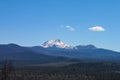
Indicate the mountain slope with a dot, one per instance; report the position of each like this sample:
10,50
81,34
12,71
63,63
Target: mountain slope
56,48
25,54
12,48
83,52
55,44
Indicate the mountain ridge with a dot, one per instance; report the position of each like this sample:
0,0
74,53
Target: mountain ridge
83,52
57,43
59,48
26,55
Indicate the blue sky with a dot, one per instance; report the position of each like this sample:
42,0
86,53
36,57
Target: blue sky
31,22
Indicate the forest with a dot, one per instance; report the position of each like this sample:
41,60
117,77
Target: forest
74,71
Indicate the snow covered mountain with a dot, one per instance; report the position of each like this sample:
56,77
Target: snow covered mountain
61,45
82,52
51,49
56,44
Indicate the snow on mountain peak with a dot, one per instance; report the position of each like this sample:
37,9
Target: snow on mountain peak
55,43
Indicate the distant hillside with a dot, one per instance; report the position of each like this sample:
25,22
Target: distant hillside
57,51
83,52
26,55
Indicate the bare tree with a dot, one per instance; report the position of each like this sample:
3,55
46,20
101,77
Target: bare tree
7,69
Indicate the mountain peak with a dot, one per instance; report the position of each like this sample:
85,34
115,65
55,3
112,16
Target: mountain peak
12,44
57,43
57,40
